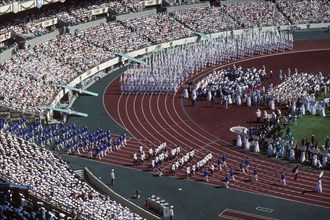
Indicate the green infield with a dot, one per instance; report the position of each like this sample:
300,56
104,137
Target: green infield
309,125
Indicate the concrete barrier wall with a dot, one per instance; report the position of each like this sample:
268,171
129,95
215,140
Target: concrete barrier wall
5,55
185,7
136,14
114,196
43,38
72,29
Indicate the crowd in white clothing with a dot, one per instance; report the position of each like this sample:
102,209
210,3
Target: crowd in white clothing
299,86
51,179
306,11
158,28
126,6
113,37
206,20
256,14
28,78
78,53
28,25
181,2
183,161
166,70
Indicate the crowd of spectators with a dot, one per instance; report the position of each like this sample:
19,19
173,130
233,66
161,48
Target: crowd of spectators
113,37
14,205
181,2
157,28
252,14
126,6
206,20
50,179
28,79
306,11
28,24
72,51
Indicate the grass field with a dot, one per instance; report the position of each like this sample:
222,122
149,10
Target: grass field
310,125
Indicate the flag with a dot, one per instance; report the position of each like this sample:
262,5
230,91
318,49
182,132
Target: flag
294,170
321,174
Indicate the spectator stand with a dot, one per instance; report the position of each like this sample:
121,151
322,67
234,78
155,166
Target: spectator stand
136,15
178,7
306,11
17,200
158,28
9,6
139,52
97,183
54,186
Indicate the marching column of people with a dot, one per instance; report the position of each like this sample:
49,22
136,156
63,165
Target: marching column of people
167,69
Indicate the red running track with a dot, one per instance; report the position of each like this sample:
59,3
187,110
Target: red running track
153,119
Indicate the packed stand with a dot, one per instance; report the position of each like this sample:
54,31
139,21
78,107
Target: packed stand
181,2
126,6
69,50
206,20
28,25
166,70
113,37
76,12
28,79
30,75
14,205
306,11
50,179
157,28
256,14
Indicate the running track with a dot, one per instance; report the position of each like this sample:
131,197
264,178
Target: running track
153,119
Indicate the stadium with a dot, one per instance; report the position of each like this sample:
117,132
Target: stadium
166,109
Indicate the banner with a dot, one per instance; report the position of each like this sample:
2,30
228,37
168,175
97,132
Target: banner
25,5
99,11
4,9
5,36
48,23
151,2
